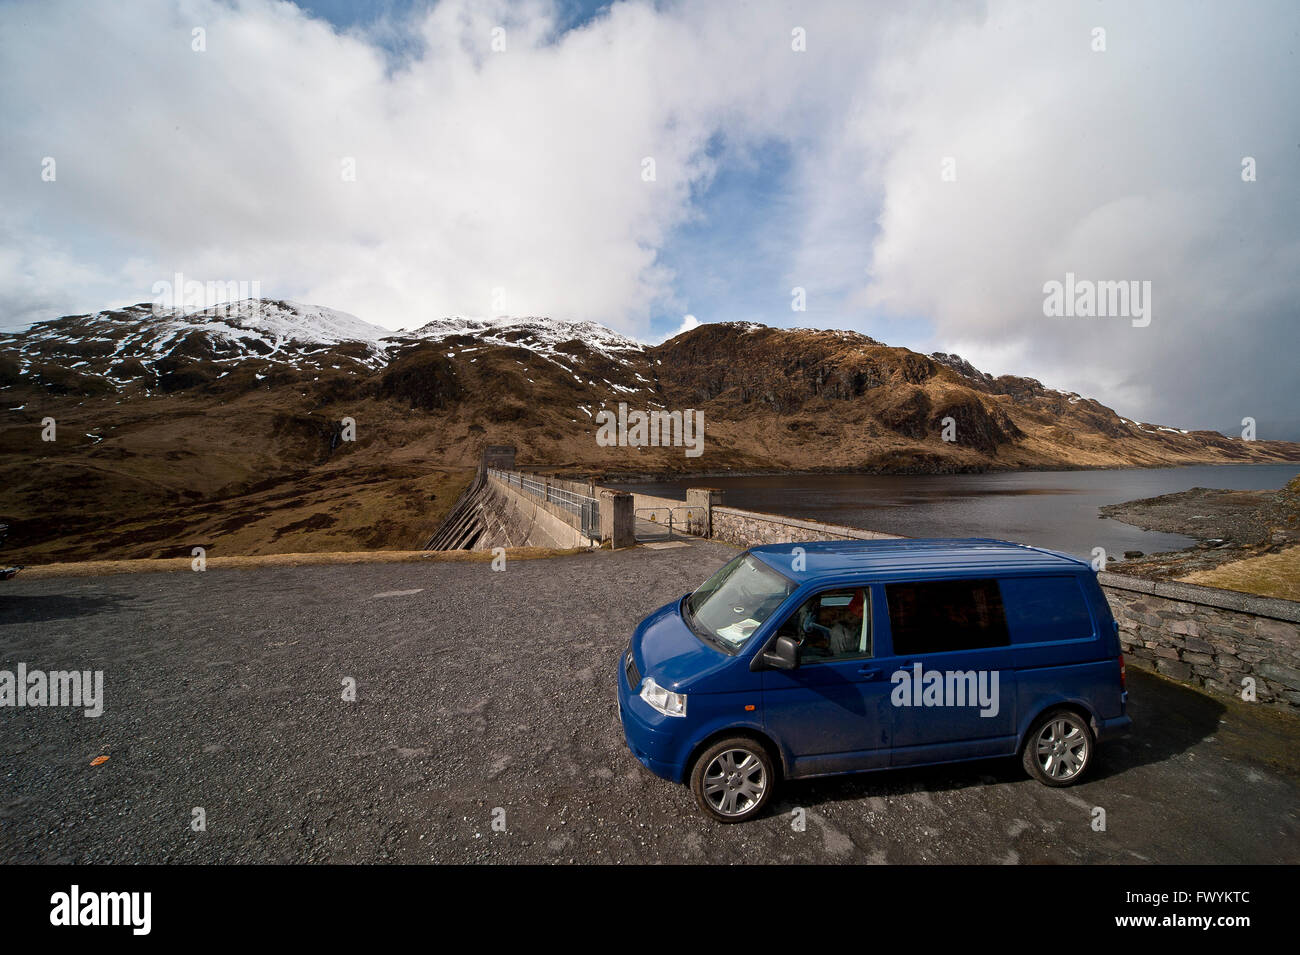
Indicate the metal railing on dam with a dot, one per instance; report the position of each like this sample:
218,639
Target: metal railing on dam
610,515
584,508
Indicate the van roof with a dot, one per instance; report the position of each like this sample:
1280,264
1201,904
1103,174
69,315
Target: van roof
908,558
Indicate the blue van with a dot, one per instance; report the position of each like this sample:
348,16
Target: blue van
815,659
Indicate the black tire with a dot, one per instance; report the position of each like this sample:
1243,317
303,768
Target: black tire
733,779
1059,748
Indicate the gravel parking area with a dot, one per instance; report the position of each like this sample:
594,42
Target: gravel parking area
487,697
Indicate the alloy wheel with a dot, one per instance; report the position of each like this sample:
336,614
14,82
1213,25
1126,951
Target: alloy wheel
734,782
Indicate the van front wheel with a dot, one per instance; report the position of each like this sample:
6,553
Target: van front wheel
733,779
1059,748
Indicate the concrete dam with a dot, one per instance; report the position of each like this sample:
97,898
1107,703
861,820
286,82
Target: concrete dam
504,507
493,512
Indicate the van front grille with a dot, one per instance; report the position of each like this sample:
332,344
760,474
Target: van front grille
633,674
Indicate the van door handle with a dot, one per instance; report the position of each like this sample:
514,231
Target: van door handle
869,672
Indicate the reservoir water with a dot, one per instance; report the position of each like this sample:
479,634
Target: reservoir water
1055,509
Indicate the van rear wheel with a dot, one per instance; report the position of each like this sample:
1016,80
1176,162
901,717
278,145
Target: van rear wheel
1058,750
733,779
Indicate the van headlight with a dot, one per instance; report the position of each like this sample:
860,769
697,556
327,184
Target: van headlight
665,701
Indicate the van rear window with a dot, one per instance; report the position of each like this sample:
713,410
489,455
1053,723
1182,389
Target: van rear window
938,616
1045,609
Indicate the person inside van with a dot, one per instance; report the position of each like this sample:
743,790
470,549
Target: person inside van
831,624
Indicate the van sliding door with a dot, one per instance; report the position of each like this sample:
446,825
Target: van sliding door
950,667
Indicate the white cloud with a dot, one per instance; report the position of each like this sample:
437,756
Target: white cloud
521,172
688,322
485,182
1117,165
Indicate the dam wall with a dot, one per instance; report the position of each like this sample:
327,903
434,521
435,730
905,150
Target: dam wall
515,519
492,512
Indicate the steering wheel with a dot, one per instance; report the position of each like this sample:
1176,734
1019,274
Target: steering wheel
808,627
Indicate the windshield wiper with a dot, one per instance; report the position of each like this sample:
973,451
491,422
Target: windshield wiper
700,630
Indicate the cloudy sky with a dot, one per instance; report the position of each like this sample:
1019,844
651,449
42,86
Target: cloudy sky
919,170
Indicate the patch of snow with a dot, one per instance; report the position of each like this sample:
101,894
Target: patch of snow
539,335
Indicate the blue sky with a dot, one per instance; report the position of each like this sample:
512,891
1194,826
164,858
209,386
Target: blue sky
346,14
731,259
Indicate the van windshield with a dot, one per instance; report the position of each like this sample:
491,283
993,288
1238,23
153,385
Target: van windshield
734,602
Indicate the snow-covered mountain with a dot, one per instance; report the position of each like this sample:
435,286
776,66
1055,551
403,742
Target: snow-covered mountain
313,324
540,335
122,345
795,397
141,341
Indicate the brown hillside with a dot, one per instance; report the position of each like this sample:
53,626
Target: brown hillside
225,433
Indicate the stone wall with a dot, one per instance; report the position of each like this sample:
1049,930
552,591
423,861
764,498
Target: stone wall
750,528
1212,638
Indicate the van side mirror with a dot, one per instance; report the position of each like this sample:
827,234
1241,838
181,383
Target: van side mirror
784,655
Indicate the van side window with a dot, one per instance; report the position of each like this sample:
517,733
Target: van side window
833,625
943,615
1043,609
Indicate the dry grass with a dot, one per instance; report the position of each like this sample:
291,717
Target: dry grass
99,568
1272,575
